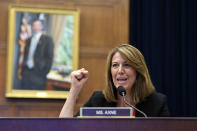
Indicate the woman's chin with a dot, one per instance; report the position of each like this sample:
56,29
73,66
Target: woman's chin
122,86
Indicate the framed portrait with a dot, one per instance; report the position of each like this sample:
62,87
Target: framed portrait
42,51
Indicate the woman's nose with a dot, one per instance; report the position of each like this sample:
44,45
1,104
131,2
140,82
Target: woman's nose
120,69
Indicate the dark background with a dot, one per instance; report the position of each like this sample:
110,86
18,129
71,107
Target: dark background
165,32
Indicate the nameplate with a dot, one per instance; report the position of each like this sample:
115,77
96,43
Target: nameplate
106,111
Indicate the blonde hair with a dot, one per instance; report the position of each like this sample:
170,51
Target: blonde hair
143,86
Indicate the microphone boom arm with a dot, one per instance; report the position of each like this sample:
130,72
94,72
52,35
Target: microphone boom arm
134,107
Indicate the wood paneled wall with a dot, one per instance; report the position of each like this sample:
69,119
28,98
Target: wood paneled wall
103,25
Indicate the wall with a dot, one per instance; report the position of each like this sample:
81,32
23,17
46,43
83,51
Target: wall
103,25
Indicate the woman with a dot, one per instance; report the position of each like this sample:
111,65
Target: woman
126,67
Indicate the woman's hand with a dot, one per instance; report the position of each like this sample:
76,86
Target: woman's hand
78,78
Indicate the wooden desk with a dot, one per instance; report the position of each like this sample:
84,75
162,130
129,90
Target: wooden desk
98,124
56,83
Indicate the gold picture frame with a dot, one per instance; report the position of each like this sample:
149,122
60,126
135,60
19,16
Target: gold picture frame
62,26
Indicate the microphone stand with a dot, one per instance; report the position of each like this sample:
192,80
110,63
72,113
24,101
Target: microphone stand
124,99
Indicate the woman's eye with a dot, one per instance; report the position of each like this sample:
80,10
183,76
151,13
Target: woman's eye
127,65
114,65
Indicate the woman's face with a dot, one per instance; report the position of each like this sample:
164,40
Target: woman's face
122,72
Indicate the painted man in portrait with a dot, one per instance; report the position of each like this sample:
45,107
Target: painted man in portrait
38,59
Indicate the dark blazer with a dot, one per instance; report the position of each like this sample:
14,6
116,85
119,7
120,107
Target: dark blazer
35,78
154,105
43,56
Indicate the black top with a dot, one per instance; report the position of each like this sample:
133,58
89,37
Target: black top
154,105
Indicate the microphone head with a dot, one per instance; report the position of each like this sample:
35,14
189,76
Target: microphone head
122,91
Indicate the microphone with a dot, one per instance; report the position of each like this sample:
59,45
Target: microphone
122,92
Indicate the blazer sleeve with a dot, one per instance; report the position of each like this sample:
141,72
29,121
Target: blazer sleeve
96,100
44,54
89,103
154,105
164,109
